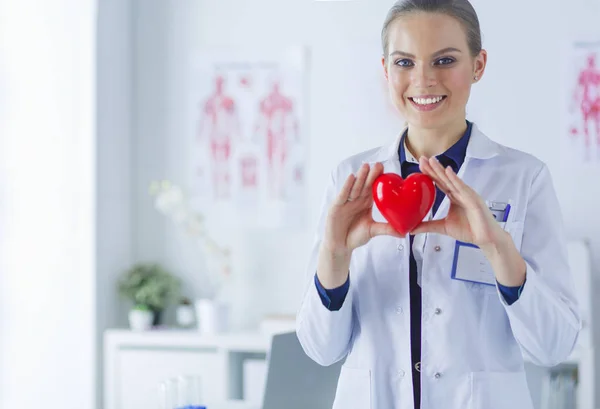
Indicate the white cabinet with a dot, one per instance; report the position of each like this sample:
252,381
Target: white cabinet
137,362
141,370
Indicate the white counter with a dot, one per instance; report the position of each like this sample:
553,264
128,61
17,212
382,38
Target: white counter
136,362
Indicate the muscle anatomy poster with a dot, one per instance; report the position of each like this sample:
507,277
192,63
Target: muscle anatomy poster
582,101
249,135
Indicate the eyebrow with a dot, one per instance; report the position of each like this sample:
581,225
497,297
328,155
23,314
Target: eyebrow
437,53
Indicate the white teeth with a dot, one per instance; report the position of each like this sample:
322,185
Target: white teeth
427,101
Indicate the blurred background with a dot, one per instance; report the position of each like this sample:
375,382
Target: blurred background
162,164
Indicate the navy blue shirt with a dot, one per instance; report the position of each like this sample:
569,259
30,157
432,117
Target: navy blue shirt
334,299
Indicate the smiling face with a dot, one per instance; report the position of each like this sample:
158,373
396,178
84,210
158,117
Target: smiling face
430,69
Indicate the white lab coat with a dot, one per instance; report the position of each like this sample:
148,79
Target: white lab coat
473,343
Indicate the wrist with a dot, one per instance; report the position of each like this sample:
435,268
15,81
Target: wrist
333,267
335,252
500,242
508,265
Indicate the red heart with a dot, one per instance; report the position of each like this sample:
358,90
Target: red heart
404,202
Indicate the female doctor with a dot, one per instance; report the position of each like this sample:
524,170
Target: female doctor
444,317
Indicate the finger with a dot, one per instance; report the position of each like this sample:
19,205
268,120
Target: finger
345,191
464,193
433,226
426,168
441,174
443,183
376,170
383,229
455,181
360,181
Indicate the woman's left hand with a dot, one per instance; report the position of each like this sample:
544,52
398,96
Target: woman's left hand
469,220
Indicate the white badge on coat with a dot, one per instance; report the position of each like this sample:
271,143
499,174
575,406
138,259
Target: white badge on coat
470,264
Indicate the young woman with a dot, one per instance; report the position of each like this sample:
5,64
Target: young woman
444,316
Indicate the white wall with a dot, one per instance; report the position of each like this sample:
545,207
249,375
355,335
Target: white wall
114,207
47,157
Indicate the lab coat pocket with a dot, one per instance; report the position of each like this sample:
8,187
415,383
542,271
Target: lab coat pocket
353,389
500,390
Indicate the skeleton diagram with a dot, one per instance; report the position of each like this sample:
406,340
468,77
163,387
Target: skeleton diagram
278,125
219,123
587,95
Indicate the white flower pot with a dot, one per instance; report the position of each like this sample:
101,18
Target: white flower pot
212,317
140,320
185,316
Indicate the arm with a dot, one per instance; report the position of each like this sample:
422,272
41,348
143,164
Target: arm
324,334
545,319
259,125
346,223
576,93
333,299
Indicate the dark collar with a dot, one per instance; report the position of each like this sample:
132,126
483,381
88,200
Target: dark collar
456,153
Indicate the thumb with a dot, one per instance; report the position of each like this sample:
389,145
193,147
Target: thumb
384,229
433,226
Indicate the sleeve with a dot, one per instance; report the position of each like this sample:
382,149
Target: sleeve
510,294
324,334
332,299
545,319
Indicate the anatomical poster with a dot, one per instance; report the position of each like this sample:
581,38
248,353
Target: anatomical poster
581,101
248,110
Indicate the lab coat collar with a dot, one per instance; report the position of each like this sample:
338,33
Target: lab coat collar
479,147
482,147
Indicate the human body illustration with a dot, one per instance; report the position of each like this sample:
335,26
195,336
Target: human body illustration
219,126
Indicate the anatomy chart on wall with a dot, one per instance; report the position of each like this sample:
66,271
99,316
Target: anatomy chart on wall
248,145
582,101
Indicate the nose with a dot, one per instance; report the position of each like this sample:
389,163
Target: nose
423,76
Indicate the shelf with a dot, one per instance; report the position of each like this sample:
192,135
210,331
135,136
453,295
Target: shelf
251,342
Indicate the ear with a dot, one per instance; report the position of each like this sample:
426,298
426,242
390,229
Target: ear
479,65
385,68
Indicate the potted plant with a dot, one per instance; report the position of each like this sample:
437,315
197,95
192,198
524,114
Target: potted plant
140,318
185,313
151,286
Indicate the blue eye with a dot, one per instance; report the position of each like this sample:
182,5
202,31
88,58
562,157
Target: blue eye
445,61
404,63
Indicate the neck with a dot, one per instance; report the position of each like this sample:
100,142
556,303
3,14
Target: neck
432,142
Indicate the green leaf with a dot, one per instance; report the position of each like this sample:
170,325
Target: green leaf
149,284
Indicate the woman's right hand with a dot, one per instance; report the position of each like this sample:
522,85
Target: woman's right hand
350,222
349,225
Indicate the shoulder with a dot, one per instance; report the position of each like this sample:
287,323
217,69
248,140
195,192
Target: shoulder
522,160
507,158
